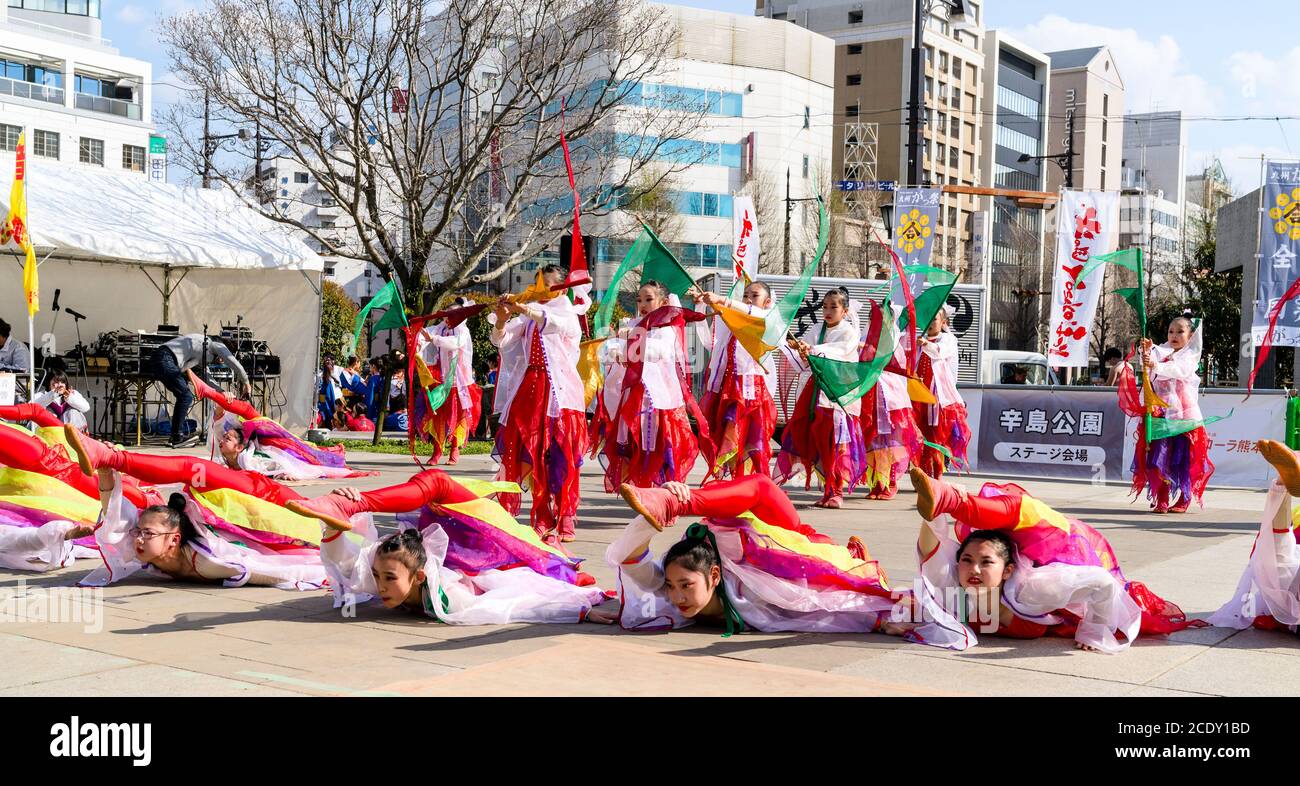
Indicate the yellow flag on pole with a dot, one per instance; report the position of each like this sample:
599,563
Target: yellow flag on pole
15,228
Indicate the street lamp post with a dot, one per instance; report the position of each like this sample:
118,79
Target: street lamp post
789,208
1064,160
212,141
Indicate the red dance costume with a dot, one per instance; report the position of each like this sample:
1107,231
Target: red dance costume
738,405
943,423
29,453
643,430
541,440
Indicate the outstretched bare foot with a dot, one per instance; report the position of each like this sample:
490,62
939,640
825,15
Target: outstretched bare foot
925,493
1285,461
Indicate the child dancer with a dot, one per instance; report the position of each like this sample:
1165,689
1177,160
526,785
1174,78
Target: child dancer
1182,462
541,407
641,424
1012,564
458,558
1268,595
738,393
827,440
750,565
453,422
943,423
889,428
247,440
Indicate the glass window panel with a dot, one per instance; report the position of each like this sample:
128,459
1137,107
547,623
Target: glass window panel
710,204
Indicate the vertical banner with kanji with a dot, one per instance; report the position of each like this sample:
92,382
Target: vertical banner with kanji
744,238
916,221
1279,247
1086,224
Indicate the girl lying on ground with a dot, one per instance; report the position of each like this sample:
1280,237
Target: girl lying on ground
459,557
1268,595
249,441
1007,563
751,564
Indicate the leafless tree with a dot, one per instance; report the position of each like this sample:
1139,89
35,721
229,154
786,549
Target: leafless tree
1019,294
651,201
433,124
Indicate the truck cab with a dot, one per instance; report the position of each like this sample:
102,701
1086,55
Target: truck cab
1009,367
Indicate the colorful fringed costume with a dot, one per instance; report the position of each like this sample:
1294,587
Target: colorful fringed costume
738,403
889,431
242,540
1067,580
270,449
442,351
1180,462
943,423
823,438
36,512
542,410
1268,594
777,574
641,429
483,567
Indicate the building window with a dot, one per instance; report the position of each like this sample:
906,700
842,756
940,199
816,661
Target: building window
300,177
9,135
943,120
45,144
853,79
284,192
955,128
1103,180
92,151
952,217
855,49
943,61
855,17
807,117
1015,102
954,157
1105,107
956,98
133,158
805,167
956,67
972,73
851,111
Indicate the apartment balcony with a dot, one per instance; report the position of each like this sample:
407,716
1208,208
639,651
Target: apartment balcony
31,92
327,210
108,106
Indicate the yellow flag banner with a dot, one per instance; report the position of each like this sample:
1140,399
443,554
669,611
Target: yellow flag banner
589,368
16,230
748,330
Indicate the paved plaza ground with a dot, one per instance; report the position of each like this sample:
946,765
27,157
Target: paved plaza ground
167,639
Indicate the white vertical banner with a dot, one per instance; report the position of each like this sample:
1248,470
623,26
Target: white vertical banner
744,245
1086,224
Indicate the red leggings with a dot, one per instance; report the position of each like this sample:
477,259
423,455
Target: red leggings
997,512
432,486
20,413
243,409
200,474
756,494
31,454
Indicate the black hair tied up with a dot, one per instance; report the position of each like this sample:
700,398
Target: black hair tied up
695,554
173,513
406,547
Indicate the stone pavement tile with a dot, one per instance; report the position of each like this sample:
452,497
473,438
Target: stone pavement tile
808,652
1144,661
146,680
35,661
982,678
1266,641
1229,671
367,678
582,666
479,650
698,640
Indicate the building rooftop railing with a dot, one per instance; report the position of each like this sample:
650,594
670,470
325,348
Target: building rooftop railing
30,91
59,32
112,106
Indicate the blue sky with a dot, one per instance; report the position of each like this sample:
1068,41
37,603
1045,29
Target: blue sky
1170,55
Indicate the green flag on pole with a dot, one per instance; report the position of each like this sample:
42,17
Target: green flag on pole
438,396
388,298
656,262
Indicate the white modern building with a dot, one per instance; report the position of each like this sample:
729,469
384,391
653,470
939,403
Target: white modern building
78,100
1151,221
292,191
768,86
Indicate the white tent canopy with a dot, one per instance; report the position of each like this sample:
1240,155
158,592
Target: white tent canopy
132,253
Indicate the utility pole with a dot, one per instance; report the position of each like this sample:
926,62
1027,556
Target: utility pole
916,106
789,206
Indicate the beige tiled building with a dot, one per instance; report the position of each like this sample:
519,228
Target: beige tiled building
873,46
1086,84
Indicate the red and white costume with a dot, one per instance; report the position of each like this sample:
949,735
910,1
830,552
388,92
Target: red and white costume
453,422
889,430
738,403
541,407
943,423
645,436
